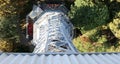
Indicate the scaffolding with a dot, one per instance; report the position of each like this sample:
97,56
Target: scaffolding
52,31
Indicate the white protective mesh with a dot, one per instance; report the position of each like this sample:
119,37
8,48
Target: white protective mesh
36,11
53,32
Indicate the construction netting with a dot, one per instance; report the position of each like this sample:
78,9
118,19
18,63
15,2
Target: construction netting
52,30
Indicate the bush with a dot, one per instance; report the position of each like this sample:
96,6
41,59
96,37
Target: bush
115,26
92,19
87,15
9,28
95,46
8,32
6,45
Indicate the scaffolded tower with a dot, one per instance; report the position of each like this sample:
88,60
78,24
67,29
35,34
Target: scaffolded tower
53,32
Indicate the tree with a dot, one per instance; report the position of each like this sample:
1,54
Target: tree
87,15
98,21
11,14
115,26
8,27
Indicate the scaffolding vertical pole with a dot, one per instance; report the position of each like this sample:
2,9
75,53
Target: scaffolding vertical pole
27,17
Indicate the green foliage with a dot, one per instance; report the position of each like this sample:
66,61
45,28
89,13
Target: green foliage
115,26
8,27
95,46
87,15
114,8
11,13
5,45
92,17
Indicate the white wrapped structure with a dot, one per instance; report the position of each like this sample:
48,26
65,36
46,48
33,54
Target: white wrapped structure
53,32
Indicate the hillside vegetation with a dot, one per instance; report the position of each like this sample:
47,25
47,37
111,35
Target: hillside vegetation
96,24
